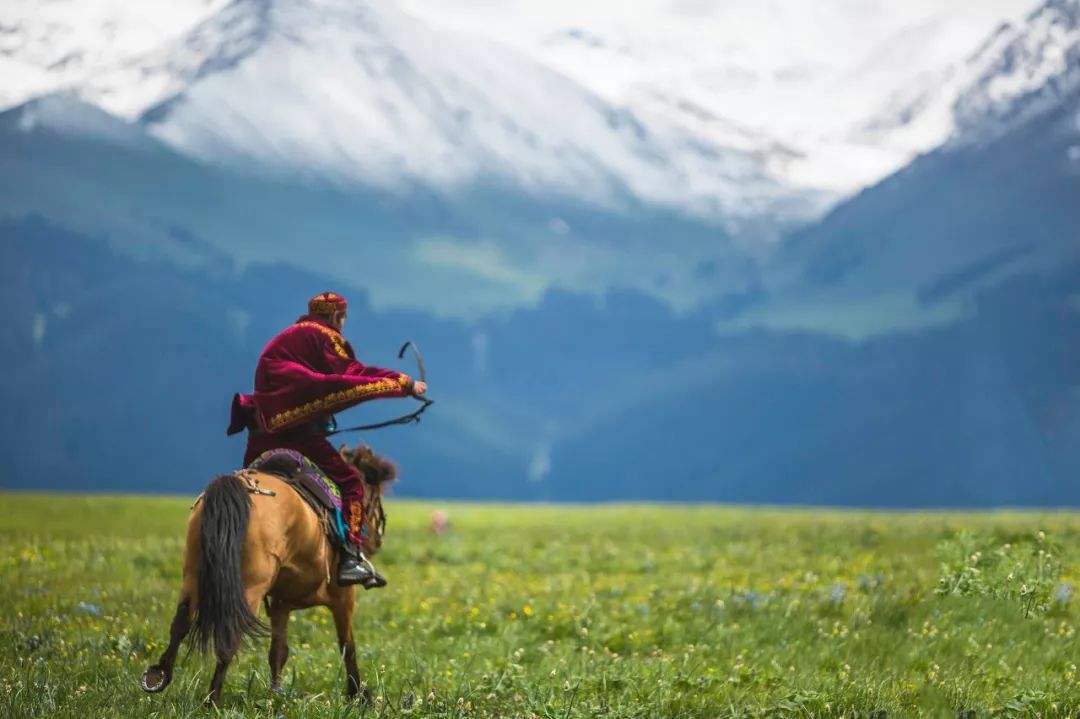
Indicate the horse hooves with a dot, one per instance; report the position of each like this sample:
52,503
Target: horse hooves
288,693
362,695
155,679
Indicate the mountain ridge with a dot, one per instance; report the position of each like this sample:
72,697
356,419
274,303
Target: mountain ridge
640,150
408,104
1028,65
918,346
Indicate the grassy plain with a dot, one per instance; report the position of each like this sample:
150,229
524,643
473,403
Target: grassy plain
614,611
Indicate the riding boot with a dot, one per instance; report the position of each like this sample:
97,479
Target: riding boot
355,568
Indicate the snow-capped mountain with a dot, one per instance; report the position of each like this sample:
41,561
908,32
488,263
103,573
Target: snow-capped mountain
365,93
1022,71
494,167
48,47
1024,68
741,114
792,81
224,167
998,201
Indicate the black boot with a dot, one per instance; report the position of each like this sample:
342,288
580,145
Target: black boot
358,570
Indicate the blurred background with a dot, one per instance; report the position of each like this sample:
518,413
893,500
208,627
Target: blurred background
747,251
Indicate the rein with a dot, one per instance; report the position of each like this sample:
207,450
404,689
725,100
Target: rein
412,417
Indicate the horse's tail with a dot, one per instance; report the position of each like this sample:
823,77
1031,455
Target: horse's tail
222,611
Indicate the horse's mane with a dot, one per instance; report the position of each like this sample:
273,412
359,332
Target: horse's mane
375,468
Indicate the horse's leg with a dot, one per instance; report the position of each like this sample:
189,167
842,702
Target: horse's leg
342,609
224,658
158,676
254,595
279,640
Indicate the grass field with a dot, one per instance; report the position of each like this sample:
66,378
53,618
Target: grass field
523,611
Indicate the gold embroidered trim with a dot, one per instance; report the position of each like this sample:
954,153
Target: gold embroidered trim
335,338
334,399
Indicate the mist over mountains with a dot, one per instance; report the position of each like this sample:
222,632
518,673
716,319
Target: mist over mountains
603,306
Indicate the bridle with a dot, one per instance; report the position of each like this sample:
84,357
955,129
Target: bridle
375,518
412,417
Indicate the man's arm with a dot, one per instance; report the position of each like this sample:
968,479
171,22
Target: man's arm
340,359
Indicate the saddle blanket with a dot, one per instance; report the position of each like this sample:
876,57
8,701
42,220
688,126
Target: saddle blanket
310,481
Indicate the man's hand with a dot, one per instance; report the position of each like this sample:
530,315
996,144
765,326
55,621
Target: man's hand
419,388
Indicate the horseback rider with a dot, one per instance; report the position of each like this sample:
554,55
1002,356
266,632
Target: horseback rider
305,374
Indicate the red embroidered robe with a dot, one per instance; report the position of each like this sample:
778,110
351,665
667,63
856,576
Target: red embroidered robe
305,374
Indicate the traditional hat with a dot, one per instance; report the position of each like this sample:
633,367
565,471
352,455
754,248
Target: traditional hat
327,303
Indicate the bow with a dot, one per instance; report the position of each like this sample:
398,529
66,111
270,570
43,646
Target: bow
412,417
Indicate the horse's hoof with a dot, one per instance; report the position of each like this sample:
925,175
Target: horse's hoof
155,679
361,695
288,693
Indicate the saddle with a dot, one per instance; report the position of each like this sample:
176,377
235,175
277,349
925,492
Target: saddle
313,486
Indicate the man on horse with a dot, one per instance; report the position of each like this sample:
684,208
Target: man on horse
305,374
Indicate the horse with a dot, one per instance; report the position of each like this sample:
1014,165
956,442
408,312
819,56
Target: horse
252,539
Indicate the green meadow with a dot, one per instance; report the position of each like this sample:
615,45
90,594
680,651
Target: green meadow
576,611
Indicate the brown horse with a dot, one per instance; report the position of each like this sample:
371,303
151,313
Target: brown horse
250,540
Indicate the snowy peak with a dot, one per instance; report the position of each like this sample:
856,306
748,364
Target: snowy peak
144,86
799,84
1022,71
747,114
215,45
61,45
365,93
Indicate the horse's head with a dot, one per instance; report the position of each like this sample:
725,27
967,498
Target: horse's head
378,472
375,469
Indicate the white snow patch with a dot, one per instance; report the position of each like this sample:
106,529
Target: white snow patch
540,464
793,81
479,343
37,330
62,44
559,226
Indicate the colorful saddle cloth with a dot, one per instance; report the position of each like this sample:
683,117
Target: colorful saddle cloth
309,481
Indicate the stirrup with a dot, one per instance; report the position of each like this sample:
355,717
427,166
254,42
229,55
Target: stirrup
363,571
375,581
364,561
